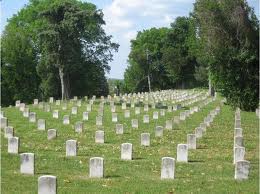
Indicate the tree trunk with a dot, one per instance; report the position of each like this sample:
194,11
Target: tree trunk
149,82
211,89
64,85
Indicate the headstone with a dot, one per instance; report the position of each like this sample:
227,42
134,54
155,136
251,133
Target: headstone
168,124
155,115
74,110
64,106
137,110
89,107
27,163
26,112
96,167
9,131
85,116
134,123
35,101
237,123
182,153
182,116
4,122
78,127
198,132
99,120
167,168
17,103
47,108
238,132
22,107
57,102
119,129
123,106
51,100
52,134
71,148
191,141
146,108
162,112
47,184
114,117
41,124
169,109
242,170
146,119
203,126
13,145
238,141
158,131
126,151
176,120
100,136
55,114
32,117
127,113
239,154
66,119
145,139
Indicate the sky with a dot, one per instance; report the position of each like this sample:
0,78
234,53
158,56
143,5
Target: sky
124,18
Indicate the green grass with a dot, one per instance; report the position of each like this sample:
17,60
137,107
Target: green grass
210,168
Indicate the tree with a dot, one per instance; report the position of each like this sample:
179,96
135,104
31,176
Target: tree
73,35
229,33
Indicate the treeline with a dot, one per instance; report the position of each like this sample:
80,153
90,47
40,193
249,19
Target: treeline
55,48
217,45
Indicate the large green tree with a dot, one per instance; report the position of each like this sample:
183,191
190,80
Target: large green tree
229,35
55,48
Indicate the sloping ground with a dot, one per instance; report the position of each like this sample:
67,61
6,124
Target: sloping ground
210,168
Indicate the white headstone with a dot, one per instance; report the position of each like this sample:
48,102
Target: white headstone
52,134
35,101
127,113
9,131
71,148
198,132
13,145
79,127
191,141
238,132
239,154
66,119
119,129
89,107
96,167
114,117
74,110
158,131
168,168
85,116
155,115
100,136
134,123
126,151
168,124
32,117
41,124
238,141
162,112
146,119
47,184
26,112
242,170
55,114
27,163
99,120
182,153
137,110
145,139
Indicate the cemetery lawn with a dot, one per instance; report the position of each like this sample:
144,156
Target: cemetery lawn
210,168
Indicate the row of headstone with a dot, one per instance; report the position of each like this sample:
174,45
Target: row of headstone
242,166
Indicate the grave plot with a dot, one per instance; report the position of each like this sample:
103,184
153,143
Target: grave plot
169,141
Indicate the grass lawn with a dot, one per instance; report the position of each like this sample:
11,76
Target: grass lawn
210,168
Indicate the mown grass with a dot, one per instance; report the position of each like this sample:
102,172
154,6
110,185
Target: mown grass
210,168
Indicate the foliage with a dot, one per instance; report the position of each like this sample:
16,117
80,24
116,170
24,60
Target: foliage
56,37
229,35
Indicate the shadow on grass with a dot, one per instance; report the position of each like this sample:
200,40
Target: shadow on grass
196,161
138,158
112,176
